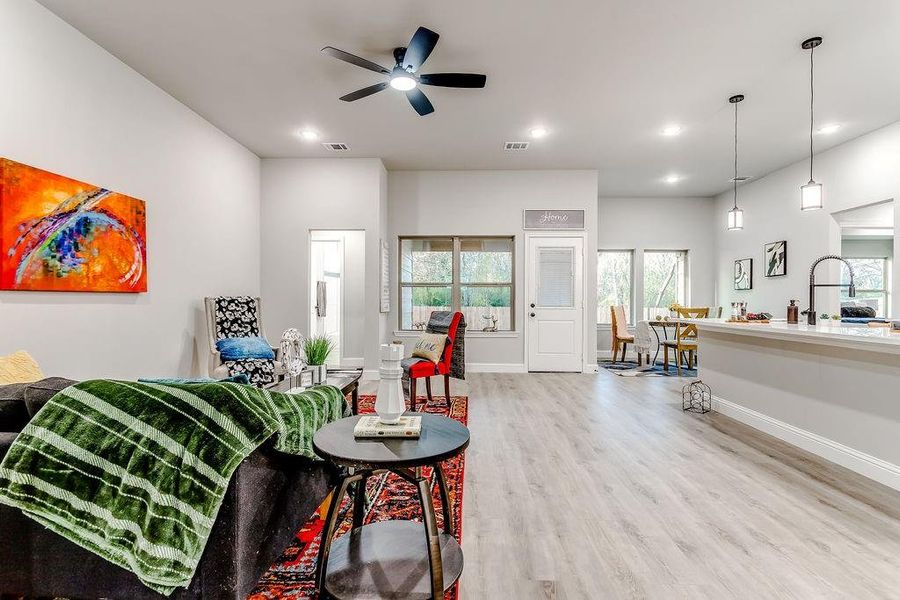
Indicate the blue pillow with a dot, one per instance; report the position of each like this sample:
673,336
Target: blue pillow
241,348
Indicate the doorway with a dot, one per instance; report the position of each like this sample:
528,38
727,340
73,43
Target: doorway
555,303
336,288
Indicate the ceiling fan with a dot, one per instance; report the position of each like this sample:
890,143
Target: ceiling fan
403,76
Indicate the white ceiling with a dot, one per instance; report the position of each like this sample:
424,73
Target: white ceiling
604,76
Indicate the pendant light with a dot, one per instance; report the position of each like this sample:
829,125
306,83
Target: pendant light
735,215
811,193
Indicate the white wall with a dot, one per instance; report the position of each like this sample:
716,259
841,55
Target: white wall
491,203
70,107
860,172
299,195
660,224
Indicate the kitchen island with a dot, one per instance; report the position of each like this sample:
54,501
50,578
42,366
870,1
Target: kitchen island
831,389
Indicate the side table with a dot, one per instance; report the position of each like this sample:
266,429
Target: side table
389,559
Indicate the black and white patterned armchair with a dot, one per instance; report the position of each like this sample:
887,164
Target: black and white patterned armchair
239,316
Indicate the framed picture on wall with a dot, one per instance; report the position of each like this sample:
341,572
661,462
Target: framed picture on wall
776,259
743,274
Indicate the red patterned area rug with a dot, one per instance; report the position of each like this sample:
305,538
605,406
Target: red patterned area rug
389,497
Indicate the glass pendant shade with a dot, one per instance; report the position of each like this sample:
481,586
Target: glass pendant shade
735,219
811,196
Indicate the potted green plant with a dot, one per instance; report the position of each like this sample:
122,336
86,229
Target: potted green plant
317,348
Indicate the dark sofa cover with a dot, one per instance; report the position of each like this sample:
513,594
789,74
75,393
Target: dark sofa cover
270,496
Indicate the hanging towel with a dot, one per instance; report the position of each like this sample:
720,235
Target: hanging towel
643,337
321,299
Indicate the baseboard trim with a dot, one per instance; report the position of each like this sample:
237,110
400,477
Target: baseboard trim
865,464
496,368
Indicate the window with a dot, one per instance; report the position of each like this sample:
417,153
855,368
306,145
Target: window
614,282
872,279
473,275
665,280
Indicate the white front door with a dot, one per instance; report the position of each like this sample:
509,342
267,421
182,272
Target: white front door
554,304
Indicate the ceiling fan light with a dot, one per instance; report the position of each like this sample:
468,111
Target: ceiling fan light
404,83
735,219
811,196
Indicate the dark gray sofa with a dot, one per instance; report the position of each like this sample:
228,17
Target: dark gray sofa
270,496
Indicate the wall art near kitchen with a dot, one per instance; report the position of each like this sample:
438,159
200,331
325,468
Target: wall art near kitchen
776,259
743,274
62,235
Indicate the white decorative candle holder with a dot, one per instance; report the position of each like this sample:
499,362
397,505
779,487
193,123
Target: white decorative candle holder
389,403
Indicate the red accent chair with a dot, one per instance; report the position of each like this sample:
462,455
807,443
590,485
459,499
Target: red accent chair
429,369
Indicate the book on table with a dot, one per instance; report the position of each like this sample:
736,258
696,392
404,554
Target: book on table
372,427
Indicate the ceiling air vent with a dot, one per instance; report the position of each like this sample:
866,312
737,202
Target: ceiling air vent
515,146
336,147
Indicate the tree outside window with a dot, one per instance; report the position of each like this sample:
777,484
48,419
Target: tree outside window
665,281
473,275
614,283
872,279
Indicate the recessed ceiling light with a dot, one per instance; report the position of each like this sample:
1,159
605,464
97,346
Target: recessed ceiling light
671,130
831,128
538,132
309,135
672,179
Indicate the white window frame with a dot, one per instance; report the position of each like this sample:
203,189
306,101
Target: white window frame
687,273
632,311
886,278
455,283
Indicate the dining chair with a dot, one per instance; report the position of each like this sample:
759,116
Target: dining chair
686,340
693,312
619,332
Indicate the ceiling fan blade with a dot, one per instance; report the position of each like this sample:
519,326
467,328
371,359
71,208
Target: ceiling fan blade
354,60
420,46
366,91
420,102
458,80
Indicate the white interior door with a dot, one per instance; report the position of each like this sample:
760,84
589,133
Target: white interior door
554,304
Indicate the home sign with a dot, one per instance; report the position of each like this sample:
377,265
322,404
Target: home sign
553,219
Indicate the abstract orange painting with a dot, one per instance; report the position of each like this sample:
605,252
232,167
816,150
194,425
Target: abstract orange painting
62,235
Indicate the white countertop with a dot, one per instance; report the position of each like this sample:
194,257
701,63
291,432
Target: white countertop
861,337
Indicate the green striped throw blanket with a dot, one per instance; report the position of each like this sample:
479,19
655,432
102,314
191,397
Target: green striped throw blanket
136,472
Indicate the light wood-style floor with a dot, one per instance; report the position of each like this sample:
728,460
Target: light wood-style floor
598,486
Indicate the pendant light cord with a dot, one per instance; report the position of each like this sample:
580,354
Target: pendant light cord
735,153
812,95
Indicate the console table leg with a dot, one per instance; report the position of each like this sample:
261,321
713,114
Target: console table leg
432,536
445,498
337,496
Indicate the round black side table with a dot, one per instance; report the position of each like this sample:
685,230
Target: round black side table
389,559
